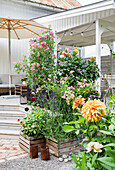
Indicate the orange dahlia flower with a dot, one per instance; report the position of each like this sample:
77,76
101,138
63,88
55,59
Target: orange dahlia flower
91,110
88,60
78,101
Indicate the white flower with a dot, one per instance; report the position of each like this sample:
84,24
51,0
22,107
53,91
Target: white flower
72,71
94,146
37,90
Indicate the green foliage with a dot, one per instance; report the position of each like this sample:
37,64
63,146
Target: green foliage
113,54
109,161
112,101
35,122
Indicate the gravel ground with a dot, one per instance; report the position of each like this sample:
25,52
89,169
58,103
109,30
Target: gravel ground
26,163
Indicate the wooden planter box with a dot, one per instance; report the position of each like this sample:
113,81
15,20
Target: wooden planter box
26,143
61,147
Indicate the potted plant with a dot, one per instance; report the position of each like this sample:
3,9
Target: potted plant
32,129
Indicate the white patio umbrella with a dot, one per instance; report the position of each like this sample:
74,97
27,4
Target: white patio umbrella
18,29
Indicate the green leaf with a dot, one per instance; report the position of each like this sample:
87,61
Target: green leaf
83,161
108,161
110,153
105,132
88,164
81,120
93,127
106,167
94,159
72,122
67,128
112,127
77,132
74,158
111,144
77,125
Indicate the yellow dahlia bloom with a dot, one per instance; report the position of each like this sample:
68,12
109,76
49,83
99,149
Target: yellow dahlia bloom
78,101
90,110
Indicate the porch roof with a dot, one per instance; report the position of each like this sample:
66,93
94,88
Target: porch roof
77,27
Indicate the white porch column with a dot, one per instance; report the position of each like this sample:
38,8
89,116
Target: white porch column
99,30
57,41
111,47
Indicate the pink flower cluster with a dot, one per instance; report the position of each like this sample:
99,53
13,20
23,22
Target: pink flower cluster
69,94
18,62
33,64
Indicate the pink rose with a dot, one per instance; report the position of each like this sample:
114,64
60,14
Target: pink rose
51,32
49,26
38,64
32,52
38,54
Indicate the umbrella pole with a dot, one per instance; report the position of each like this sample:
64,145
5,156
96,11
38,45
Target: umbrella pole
9,58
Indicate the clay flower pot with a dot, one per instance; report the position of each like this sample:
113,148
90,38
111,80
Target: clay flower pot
45,152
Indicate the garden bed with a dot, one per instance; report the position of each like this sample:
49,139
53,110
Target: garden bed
26,143
61,147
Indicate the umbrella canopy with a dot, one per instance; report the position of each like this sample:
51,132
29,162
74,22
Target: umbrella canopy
18,29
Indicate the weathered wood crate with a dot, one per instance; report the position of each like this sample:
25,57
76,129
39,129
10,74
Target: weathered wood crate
61,147
26,143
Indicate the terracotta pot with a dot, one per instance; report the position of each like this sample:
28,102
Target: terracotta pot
45,152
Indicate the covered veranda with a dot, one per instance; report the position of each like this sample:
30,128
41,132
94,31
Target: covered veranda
85,26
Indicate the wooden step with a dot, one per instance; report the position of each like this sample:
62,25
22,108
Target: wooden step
10,113
7,127
9,132
9,122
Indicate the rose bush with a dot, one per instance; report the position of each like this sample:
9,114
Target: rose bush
39,65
